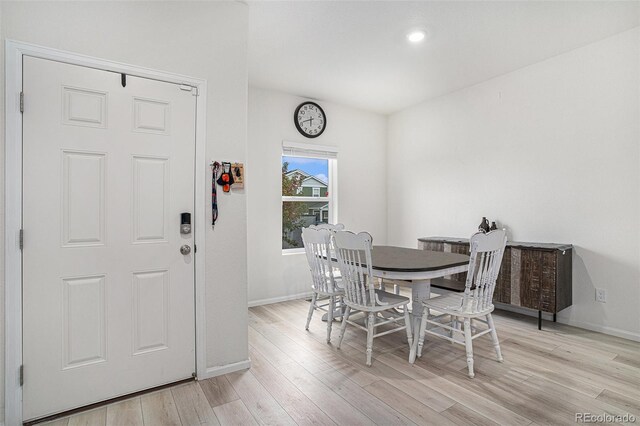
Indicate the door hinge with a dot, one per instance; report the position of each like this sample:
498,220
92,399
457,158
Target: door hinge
21,375
21,102
195,248
187,88
21,239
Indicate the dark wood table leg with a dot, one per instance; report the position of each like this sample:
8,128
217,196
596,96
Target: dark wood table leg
554,317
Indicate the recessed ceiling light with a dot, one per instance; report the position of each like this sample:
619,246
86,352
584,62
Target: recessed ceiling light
416,36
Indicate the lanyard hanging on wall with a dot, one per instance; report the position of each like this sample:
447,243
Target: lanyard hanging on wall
215,167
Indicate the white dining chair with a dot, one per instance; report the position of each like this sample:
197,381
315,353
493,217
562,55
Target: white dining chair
475,304
353,253
333,227
324,283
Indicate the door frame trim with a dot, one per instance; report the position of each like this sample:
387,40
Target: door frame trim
14,52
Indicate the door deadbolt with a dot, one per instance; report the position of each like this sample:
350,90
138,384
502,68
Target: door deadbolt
185,249
185,223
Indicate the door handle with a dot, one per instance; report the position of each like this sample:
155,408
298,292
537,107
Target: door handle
185,249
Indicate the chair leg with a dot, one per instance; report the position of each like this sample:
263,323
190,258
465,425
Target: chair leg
343,327
423,331
312,307
455,324
370,329
408,325
494,338
468,343
332,306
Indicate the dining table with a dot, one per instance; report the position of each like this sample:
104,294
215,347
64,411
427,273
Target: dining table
416,268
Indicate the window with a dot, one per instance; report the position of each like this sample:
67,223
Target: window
308,190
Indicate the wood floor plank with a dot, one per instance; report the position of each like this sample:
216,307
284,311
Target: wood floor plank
234,413
557,392
125,413
334,406
632,405
301,409
258,400
416,411
193,406
158,408
97,417
374,408
595,374
57,422
443,384
461,415
218,390
526,366
270,350
632,361
329,354
301,354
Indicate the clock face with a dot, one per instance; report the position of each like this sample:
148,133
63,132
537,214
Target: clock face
310,119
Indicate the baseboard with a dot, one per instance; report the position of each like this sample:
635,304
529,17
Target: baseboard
225,369
279,299
612,331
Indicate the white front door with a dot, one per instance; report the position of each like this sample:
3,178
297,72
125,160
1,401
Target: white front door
108,296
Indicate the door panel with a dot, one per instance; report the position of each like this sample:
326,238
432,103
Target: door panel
108,297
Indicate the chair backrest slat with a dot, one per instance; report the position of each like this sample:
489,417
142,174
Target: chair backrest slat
484,265
317,246
329,226
353,252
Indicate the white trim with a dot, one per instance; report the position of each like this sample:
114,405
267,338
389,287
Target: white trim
333,190
580,324
13,222
225,369
293,250
308,147
14,51
287,298
306,199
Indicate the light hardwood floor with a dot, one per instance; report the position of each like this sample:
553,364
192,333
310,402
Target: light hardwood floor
296,378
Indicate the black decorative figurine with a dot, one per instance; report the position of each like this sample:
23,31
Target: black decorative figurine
493,226
484,225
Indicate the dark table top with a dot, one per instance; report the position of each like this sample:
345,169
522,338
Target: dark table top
401,259
516,244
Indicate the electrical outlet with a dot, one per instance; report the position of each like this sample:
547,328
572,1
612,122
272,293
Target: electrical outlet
601,295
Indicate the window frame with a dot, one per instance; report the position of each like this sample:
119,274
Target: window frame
315,152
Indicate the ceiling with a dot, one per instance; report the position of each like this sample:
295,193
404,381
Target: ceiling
355,53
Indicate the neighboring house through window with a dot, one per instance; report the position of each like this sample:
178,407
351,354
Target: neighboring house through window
308,190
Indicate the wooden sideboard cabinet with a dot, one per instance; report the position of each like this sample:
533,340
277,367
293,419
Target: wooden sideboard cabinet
533,275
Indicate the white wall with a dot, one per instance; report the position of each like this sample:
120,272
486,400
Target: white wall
553,152
361,140
199,39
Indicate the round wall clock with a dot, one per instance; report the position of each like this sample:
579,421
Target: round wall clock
310,119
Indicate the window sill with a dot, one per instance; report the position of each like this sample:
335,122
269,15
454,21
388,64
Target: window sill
289,252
